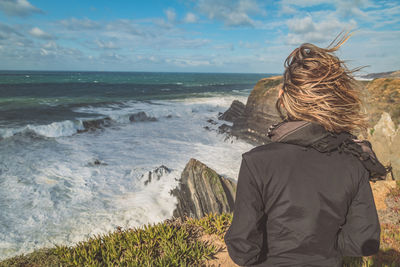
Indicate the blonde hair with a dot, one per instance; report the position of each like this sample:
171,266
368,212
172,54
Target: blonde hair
318,87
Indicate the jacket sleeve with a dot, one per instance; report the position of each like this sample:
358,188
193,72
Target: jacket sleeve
360,235
245,237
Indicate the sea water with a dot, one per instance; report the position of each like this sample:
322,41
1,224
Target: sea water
76,148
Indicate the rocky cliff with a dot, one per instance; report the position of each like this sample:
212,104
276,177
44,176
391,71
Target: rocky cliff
201,191
259,113
389,74
383,95
385,140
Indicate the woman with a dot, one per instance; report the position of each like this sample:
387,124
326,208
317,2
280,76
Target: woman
305,198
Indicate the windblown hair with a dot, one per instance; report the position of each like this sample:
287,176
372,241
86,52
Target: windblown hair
318,87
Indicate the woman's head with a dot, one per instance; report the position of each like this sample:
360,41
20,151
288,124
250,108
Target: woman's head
318,87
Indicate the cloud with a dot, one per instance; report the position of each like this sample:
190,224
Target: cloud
352,8
171,15
105,44
20,8
74,24
231,13
190,18
6,32
305,3
306,30
38,33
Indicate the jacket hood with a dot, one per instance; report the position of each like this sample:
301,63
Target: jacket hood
309,134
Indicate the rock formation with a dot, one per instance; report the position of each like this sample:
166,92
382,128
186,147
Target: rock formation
383,95
235,111
259,113
155,174
389,74
141,116
201,190
385,140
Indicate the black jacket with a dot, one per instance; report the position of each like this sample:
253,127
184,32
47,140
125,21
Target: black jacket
305,200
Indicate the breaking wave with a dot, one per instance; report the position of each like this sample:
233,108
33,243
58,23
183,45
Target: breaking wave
71,127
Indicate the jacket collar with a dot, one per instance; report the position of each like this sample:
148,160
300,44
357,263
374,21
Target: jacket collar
309,134
306,133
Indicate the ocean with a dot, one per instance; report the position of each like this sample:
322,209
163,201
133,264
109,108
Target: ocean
75,148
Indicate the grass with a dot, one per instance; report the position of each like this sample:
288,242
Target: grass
213,223
171,243
176,243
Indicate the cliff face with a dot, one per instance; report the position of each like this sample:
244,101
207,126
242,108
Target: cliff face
383,95
385,140
259,113
389,74
201,190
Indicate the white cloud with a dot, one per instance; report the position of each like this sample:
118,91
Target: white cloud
352,8
190,18
306,30
75,24
106,44
50,45
20,8
305,3
231,13
171,14
38,33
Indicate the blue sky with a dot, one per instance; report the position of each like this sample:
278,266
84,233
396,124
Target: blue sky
192,35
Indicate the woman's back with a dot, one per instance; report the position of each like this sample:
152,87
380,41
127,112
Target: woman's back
307,195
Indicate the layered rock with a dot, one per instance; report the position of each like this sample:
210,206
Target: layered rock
201,191
234,112
385,140
259,113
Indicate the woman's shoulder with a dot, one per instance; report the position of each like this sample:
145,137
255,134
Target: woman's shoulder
274,147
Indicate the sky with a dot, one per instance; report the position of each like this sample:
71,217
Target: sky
244,36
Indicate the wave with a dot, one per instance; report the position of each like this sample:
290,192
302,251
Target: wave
71,127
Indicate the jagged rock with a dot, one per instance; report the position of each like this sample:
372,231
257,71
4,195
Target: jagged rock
97,162
155,174
234,111
92,125
224,128
385,140
213,122
201,191
141,116
259,113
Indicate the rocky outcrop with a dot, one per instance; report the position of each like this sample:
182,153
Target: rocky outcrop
234,112
155,174
141,116
389,74
383,95
385,140
201,191
259,113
